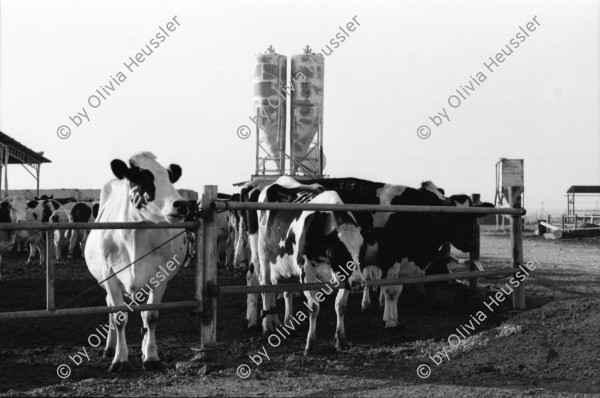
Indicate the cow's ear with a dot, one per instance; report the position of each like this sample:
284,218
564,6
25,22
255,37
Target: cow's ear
174,173
51,196
120,169
32,204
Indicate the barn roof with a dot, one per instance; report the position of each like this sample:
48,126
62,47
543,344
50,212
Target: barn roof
19,153
584,189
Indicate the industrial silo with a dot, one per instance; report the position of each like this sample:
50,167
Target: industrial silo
306,126
269,110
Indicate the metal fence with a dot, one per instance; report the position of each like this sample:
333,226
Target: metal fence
206,288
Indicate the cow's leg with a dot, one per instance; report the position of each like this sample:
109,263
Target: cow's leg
253,279
86,233
252,301
57,245
111,340
366,299
72,244
32,252
313,305
229,253
341,300
310,276
391,294
271,320
150,358
1,279
115,298
288,297
42,249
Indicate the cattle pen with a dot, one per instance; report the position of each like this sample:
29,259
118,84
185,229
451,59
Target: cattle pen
206,287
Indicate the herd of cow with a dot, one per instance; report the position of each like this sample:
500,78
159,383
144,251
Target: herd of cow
313,246
17,209
341,248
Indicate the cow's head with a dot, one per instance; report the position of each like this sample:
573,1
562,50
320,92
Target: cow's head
462,226
151,189
18,207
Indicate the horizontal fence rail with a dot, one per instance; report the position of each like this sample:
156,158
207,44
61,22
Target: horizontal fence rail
230,290
97,310
221,206
30,226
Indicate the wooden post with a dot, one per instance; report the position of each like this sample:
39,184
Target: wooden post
199,266
50,273
516,244
475,252
208,327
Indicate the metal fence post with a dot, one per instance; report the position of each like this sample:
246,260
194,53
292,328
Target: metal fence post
209,255
50,272
516,244
198,248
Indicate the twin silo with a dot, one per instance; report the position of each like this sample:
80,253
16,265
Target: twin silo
304,90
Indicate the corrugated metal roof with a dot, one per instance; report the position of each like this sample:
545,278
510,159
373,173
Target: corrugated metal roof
6,140
584,189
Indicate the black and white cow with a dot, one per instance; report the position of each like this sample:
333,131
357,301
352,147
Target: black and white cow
246,245
439,229
12,210
310,245
42,210
233,220
80,213
142,191
62,237
23,211
396,242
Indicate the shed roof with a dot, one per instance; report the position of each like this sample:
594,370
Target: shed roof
584,189
19,153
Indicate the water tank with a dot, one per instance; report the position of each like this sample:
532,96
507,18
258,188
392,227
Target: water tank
306,87
269,110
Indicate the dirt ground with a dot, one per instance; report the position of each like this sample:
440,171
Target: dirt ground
552,349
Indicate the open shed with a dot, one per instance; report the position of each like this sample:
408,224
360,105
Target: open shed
13,152
585,190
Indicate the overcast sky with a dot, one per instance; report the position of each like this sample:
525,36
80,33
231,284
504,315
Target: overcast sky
399,67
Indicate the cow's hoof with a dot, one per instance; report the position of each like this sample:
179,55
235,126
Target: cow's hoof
119,367
150,366
390,323
393,327
310,348
341,344
108,353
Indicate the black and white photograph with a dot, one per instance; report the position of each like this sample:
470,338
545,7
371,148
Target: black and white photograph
269,198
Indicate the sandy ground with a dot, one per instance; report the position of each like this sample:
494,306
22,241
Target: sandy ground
549,350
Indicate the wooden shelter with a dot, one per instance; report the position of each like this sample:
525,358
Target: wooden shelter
13,152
